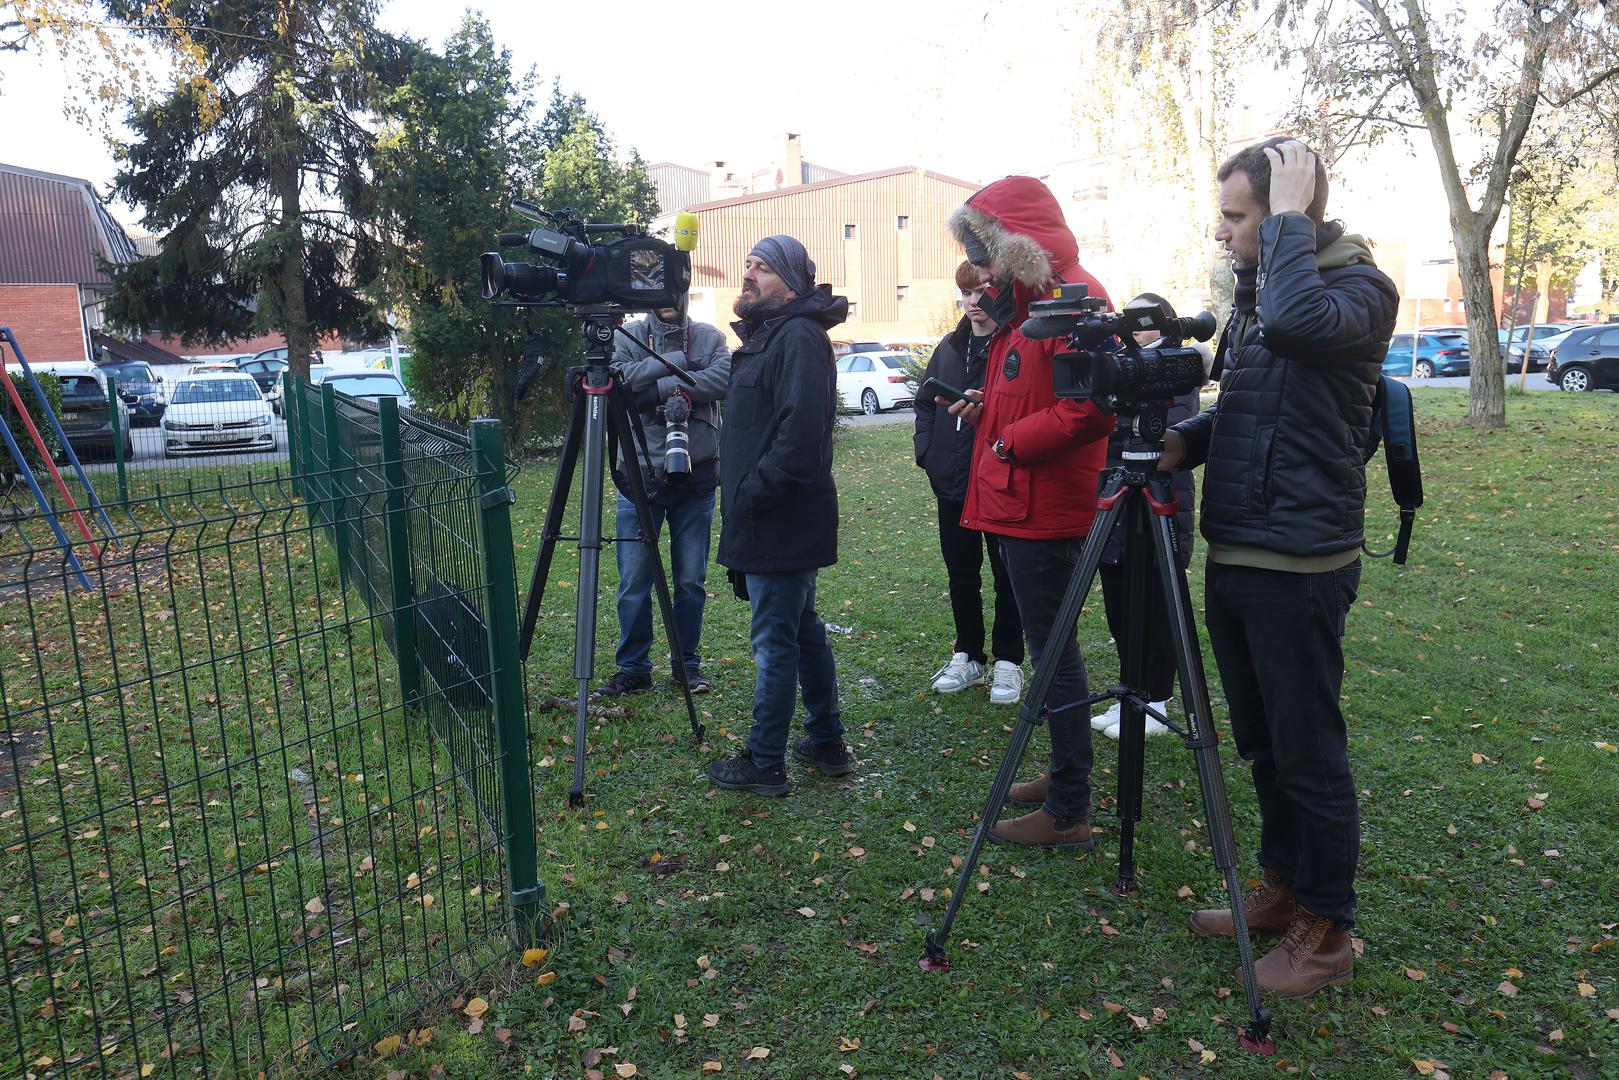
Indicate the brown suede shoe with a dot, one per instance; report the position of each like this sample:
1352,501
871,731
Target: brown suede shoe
1313,954
1039,829
1268,907
1030,792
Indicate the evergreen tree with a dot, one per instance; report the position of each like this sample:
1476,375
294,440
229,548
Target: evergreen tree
258,176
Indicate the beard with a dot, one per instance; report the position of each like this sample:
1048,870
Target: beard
754,306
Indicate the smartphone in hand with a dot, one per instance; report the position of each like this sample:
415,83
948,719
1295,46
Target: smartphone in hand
932,388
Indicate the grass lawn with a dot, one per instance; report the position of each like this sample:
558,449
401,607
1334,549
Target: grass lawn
698,930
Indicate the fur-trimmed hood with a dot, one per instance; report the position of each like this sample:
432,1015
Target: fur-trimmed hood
1019,221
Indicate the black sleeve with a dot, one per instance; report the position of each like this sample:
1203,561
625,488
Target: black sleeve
800,449
926,411
1306,319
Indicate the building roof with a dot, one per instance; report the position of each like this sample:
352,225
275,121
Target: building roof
53,227
133,350
836,181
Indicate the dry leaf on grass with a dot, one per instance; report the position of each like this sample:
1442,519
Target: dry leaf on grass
758,1053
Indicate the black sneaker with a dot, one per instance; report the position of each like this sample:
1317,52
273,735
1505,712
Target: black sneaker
699,685
623,683
741,774
831,760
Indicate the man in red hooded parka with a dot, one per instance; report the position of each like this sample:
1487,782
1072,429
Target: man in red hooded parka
1034,471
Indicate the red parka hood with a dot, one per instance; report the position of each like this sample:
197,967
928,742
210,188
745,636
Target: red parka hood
1019,221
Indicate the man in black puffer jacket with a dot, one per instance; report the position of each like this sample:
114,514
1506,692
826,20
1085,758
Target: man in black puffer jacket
1284,488
780,509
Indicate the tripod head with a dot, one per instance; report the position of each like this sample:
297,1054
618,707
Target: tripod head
600,321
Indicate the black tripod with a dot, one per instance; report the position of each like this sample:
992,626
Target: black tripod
1141,495
600,411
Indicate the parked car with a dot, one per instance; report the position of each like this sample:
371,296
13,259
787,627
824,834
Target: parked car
217,410
1512,352
370,383
844,348
86,416
139,386
1587,359
1423,356
873,381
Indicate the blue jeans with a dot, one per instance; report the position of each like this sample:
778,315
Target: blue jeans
791,653
691,519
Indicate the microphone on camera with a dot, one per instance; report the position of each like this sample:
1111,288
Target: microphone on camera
685,231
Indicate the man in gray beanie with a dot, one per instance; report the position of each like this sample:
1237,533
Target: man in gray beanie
780,510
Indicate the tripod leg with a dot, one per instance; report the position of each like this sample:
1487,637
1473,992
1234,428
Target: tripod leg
1138,574
627,429
1030,715
590,549
553,527
1202,740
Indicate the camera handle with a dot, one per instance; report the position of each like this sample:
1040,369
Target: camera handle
1140,496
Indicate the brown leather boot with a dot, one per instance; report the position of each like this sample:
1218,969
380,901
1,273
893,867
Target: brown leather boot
1030,792
1039,829
1314,953
1268,907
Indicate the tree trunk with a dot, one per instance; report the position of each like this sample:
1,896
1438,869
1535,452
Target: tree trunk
285,177
1486,396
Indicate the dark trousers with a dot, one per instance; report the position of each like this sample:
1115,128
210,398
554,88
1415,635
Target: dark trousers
794,659
1039,571
1160,642
963,551
1277,638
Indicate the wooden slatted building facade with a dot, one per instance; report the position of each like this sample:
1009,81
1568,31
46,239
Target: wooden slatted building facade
877,238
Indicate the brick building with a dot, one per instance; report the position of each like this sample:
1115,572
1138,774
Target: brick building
54,233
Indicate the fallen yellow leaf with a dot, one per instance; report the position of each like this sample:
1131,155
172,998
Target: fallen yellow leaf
476,1007
534,956
388,1046
1415,974
546,978
315,907
758,1053
625,1069
1586,989
712,1066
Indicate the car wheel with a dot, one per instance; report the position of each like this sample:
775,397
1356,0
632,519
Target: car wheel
1574,380
868,402
1424,369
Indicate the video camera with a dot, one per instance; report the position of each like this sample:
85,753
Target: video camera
636,272
1105,364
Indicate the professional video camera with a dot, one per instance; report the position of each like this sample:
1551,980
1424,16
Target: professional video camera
636,272
1105,364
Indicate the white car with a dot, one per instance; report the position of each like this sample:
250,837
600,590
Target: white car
217,411
369,383
873,381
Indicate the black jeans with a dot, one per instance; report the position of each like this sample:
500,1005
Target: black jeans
1277,638
1160,642
963,551
1039,571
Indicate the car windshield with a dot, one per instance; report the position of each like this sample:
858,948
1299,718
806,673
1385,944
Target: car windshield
81,386
202,391
128,372
363,384
892,361
1450,339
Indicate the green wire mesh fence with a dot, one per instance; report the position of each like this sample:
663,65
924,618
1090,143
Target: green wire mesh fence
264,786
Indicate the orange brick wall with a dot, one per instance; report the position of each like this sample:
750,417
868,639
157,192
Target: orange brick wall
46,320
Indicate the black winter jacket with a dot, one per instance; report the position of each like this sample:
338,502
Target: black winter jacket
1284,442
777,497
943,447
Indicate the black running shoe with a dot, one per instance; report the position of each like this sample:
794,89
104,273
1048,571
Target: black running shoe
623,683
699,684
829,759
741,774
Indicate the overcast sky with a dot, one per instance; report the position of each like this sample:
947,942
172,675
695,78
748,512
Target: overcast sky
965,87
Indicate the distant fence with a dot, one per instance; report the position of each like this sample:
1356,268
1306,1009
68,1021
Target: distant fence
264,786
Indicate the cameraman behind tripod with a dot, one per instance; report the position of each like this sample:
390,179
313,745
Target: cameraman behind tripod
1284,493
682,470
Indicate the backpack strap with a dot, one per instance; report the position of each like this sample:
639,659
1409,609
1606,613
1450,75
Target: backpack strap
1394,425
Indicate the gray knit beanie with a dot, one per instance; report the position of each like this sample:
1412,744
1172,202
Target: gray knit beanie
789,260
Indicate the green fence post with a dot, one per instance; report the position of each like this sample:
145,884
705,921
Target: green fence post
400,579
116,418
294,451
506,678
314,461
336,486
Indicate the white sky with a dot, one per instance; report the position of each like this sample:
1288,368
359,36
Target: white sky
972,88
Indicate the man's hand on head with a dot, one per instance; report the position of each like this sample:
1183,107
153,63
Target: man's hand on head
1292,177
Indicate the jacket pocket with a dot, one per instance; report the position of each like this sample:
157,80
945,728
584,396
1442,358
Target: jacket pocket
1261,463
742,399
1003,490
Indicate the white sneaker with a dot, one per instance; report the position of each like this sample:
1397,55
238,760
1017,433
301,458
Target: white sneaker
1154,727
1109,719
1005,683
958,674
